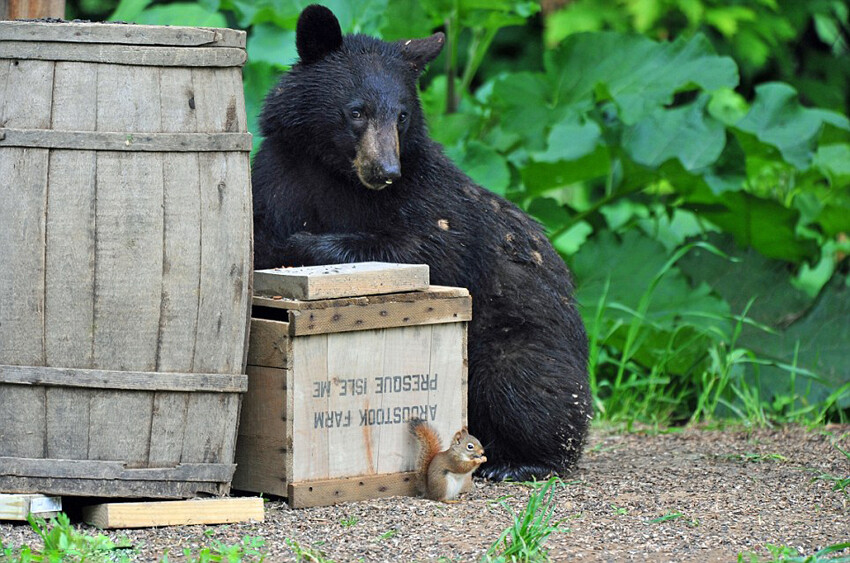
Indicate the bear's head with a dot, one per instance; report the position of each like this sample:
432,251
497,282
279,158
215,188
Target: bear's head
351,101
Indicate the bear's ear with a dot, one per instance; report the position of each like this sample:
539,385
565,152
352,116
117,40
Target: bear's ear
317,34
420,52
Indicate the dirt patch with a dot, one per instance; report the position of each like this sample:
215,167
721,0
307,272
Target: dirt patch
691,495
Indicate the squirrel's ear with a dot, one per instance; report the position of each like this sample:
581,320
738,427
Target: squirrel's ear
420,52
457,437
317,34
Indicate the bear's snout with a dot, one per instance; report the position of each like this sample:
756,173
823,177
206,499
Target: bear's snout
377,161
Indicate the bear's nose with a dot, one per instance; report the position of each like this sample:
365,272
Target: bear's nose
389,173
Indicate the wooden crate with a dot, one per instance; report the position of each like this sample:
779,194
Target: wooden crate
332,383
125,229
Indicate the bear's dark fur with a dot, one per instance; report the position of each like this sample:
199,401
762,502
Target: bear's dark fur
347,173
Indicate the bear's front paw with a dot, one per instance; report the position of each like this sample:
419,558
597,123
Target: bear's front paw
308,249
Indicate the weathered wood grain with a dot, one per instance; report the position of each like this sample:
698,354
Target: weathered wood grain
261,449
125,141
407,351
167,428
311,283
210,439
26,100
447,363
23,429
264,404
139,55
82,32
129,219
70,239
181,253
67,424
309,370
433,292
270,344
261,463
127,380
350,489
113,488
383,315
354,358
119,427
117,470
174,513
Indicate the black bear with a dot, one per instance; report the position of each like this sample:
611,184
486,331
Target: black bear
347,173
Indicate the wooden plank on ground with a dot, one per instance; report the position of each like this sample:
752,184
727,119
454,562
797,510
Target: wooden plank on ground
174,513
341,280
332,491
18,506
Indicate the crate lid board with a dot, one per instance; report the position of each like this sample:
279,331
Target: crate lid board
340,280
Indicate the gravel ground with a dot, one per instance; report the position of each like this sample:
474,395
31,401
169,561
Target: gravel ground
723,492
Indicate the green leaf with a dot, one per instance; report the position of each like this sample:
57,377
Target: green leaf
359,16
817,342
539,177
761,223
272,45
750,276
129,10
483,164
569,140
833,161
640,75
631,264
777,119
525,106
622,271
181,13
685,133
258,78
405,19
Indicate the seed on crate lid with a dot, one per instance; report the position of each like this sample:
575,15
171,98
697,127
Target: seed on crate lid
277,297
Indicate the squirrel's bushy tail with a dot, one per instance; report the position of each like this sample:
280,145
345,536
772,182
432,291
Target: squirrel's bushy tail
429,446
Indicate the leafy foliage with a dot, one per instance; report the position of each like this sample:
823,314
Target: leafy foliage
703,209
61,542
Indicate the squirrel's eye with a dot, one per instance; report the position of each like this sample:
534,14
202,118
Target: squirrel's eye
356,114
470,446
402,117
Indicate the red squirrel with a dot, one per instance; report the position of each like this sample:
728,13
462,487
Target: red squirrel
444,474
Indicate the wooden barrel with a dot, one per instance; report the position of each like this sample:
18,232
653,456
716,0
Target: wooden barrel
125,244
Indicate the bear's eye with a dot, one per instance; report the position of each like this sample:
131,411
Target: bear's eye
356,114
402,117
